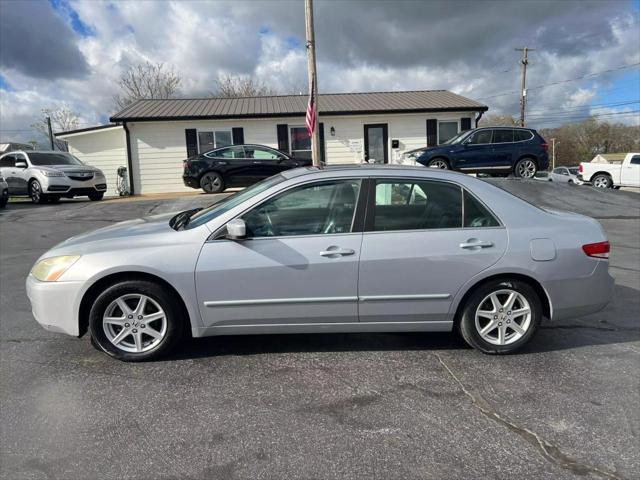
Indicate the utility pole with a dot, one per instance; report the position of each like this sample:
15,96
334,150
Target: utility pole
523,84
553,153
313,79
50,132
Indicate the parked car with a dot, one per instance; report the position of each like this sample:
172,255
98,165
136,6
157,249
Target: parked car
4,192
47,176
328,250
495,150
566,175
608,175
236,166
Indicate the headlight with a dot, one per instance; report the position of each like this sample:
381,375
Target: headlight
49,173
51,269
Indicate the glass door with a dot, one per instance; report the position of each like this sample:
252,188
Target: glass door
376,139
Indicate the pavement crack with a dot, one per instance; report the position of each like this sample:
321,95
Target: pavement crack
548,451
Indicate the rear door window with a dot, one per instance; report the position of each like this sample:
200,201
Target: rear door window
476,215
502,135
415,205
230,152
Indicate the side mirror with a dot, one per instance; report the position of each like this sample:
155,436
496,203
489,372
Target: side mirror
236,229
21,164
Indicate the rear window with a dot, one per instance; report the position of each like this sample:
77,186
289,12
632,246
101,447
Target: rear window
522,135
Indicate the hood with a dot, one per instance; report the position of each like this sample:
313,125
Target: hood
148,230
69,168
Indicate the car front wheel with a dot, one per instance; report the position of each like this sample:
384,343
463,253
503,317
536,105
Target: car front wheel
501,316
212,182
135,320
35,192
526,168
440,163
602,181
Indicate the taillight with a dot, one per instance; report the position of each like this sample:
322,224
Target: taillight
597,250
580,168
187,164
545,147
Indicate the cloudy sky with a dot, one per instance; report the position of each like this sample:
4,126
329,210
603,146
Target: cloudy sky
585,61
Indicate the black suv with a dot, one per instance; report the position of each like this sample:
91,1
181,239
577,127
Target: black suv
236,166
493,150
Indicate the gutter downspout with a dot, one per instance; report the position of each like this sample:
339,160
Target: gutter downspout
479,117
129,162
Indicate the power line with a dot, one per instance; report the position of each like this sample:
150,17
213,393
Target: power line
538,87
584,107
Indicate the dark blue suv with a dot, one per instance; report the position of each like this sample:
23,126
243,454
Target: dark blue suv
492,150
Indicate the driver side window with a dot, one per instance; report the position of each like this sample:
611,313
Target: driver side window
480,137
318,208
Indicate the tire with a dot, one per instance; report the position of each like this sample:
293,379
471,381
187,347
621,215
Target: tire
525,168
502,338
4,201
440,163
94,197
602,180
35,192
125,336
54,198
212,182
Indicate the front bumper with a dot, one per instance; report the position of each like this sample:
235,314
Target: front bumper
54,304
581,296
66,186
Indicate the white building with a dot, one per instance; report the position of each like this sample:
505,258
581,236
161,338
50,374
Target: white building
152,137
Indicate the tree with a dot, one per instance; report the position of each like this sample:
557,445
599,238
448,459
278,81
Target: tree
146,80
233,86
495,120
63,119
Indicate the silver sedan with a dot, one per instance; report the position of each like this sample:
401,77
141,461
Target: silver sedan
342,249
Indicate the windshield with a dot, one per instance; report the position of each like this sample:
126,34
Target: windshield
217,209
458,138
53,158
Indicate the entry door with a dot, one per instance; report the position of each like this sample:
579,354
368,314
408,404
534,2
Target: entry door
376,139
416,255
298,266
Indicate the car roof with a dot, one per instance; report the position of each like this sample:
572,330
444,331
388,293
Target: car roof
372,170
28,152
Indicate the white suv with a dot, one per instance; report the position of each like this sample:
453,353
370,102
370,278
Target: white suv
46,176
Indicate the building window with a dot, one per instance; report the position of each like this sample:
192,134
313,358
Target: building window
300,143
446,131
216,139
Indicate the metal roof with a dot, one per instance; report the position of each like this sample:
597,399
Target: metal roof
295,105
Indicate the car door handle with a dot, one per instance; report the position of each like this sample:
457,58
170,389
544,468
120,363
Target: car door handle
473,244
334,251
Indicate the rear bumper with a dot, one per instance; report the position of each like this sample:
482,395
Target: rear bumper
191,182
53,304
572,298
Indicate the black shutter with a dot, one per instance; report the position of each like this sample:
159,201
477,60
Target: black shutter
432,132
191,137
465,124
321,135
283,137
238,135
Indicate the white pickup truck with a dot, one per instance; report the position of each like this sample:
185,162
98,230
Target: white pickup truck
612,175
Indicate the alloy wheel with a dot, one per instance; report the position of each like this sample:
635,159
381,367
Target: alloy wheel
601,182
211,183
134,323
36,192
503,317
526,169
441,164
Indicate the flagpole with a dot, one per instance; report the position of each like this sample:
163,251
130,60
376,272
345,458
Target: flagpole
313,79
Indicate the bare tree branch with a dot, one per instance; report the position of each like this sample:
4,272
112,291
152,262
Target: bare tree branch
233,86
63,119
146,80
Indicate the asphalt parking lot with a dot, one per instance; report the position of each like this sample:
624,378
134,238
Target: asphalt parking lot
381,406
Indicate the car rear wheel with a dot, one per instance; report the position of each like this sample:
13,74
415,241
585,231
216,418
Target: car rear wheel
526,168
35,192
4,199
94,197
501,316
439,163
135,320
212,182
602,181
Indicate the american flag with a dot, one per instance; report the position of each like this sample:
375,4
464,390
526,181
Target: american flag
311,112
